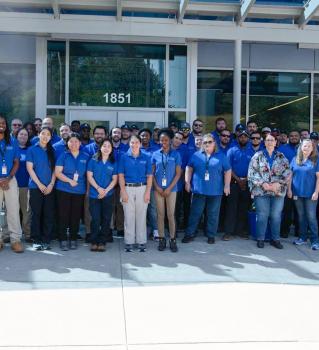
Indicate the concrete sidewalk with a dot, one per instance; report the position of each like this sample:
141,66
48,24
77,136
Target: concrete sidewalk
230,295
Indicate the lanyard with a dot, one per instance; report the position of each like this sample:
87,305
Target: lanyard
207,163
165,163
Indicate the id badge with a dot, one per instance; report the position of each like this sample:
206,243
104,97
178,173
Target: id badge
295,198
164,182
4,169
207,176
76,177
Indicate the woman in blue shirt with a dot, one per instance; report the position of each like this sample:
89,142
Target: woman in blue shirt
304,189
70,171
22,177
208,175
167,171
135,178
40,166
102,177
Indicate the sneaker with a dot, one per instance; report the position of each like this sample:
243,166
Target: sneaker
155,235
315,246
161,244
226,237
94,247
46,246
37,246
101,247
64,246
73,245
260,244
276,244
173,245
187,239
299,241
17,247
128,248
142,248
211,240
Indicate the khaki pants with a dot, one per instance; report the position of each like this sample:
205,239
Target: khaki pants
25,210
11,198
135,216
170,208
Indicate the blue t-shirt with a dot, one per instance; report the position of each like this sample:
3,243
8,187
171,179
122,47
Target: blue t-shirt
8,154
304,178
22,174
91,149
137,169
239,158
54,139
216,165
165,167
39,158
102,174
288,150
71,166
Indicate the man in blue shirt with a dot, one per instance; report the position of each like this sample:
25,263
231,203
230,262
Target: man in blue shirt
99,134
47,122
255,141
60,146
224,141
9,153
85,131
238,201
220,125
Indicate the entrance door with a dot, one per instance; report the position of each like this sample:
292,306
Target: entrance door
94,117
143,119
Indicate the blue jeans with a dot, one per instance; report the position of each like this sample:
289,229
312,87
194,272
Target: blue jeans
101,212
268,208
307,215
197,207
152,213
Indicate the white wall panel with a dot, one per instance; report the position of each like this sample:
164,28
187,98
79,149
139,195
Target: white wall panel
17,49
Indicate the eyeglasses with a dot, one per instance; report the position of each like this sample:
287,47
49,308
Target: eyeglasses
184,130
255,138
270,140
16,124
208,142
199,125
224,135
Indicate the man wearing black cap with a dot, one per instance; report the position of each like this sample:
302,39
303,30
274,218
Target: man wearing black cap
75,126
314,137
85,131
238,201
126,134
135,129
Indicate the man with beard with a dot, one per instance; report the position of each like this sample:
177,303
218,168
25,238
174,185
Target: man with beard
126,134
251,127
60,146
75,126
255,141
224,138
220,125
289,211
9,151
197,130
238,201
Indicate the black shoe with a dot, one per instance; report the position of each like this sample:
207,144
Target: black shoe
260,244
161,244
128,248
88,238
73,245
172,245
211,240
109,239
187,239
142,248
276,244
79,237
64,246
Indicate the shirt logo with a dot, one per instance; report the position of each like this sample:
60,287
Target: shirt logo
143,162
83,161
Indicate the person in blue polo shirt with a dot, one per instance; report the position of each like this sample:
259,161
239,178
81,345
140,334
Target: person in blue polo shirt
167,171
238,201
9,154
70,171
208,174
40,166
304,189
48,123
22,177
60,146
102,177
135,177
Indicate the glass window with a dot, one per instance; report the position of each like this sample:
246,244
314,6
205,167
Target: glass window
117,75
280,99
58,116
215,97
17,91
177,117
56,73
177,77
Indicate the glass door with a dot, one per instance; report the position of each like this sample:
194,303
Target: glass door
94,117
143,119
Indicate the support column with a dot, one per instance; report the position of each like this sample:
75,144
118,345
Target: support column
41,78
237,82
192,49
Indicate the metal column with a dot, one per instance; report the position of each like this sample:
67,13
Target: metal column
237,82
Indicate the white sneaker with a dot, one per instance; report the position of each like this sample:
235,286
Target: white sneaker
155,235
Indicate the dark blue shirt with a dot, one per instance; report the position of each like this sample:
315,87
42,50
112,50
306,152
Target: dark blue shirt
185,156
216,165
239,158
71,166
224,149
288,150
304,178
165,167
22,174
39,158
135,169
54,139
8,154
102,174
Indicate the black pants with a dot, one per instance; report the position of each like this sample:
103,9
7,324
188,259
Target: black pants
182,209
237,205
42,217
70,209
290,216
101,212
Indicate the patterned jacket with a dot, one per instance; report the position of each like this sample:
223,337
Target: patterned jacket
259,171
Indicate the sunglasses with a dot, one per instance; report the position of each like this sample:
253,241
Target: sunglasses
185,129
223,135
255,138
199,125
16,124
208,142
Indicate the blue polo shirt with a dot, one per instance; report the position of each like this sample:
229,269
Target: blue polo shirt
102,173
288,150
54,139
136,169
239,158
61,147
41,165
22,174
165,166
151,148
8,153
216,165
304,178
72,165
224,149
118,151
185,155
91,149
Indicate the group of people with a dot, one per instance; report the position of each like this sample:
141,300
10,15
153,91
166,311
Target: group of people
138,182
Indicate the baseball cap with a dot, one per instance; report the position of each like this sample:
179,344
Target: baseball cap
85,126
266,129
240,127
125,126
135,127
185,125
173,124
156,127
275,130
244,132
314,136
